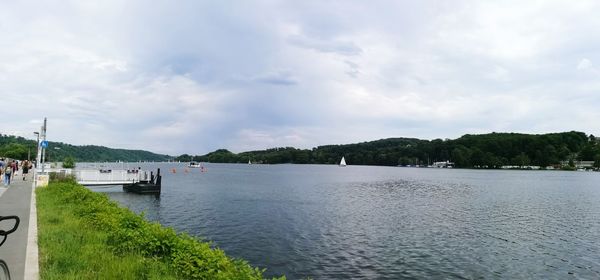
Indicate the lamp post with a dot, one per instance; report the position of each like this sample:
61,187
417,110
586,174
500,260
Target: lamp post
37,156
44,148
38,146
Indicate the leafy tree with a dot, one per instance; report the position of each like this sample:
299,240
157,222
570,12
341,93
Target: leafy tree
462,156
15,151
478,158
588,152
404,161
19,148
521,160
492,161
490,150
548,156
483,151
597,161
184,158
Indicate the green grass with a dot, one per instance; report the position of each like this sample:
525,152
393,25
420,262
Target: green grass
84,235
71,249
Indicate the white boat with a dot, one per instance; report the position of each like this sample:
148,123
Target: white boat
249,162
194,164
343,162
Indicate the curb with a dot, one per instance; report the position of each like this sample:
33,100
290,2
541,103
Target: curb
32,269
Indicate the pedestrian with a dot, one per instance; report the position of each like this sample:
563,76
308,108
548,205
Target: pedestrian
7,174
25,168
15,168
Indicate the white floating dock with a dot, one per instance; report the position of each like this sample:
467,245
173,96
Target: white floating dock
99,177
105,177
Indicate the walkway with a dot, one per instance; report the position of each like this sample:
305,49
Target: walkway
16,200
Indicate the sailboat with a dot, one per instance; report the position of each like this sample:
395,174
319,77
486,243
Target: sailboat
343,162
249,162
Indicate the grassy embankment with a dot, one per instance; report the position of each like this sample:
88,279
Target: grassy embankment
84,235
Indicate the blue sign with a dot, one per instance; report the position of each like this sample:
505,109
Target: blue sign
44,144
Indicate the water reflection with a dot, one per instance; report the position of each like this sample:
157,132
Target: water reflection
149,204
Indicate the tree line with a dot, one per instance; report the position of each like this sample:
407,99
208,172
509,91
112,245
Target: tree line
491,150
21,148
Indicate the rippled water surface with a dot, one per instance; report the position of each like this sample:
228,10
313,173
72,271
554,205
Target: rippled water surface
361,222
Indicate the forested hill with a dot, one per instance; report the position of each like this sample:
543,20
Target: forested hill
486,150
19,147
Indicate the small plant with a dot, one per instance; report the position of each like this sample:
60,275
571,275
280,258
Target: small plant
69,162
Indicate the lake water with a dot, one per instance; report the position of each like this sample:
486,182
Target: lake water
360,222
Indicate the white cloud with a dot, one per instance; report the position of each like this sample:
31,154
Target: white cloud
584,64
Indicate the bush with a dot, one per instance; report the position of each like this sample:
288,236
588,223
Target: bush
69,162
131,233
62,177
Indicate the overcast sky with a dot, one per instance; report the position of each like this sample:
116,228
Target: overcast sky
194,76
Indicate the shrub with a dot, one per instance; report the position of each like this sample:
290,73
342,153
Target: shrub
62,177
69,162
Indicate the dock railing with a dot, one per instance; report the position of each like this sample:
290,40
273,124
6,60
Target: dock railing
109,177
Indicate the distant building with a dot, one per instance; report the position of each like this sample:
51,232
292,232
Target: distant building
443,164
579,163
529,167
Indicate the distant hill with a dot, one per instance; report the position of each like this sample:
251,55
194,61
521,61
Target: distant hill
490,150
19,147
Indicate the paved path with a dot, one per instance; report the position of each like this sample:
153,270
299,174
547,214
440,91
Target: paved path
16,200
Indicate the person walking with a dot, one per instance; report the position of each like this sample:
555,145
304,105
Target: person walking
2,164
15,169
25,168
7,174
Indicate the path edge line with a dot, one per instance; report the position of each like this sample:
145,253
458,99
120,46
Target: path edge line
32,268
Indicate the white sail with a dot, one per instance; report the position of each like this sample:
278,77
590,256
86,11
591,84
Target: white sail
343,162
249,162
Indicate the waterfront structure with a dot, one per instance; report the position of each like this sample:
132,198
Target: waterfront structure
443,164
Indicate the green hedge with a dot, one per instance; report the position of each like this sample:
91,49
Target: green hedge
131,233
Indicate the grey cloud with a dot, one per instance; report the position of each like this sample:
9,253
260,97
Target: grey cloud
354,69
282,78
340,47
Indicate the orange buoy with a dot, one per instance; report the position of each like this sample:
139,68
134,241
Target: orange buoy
173,170
186,170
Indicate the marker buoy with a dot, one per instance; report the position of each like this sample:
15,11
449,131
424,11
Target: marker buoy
173,170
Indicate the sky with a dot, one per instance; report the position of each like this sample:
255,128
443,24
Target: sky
191,77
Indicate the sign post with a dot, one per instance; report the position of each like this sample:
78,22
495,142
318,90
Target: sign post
43,146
